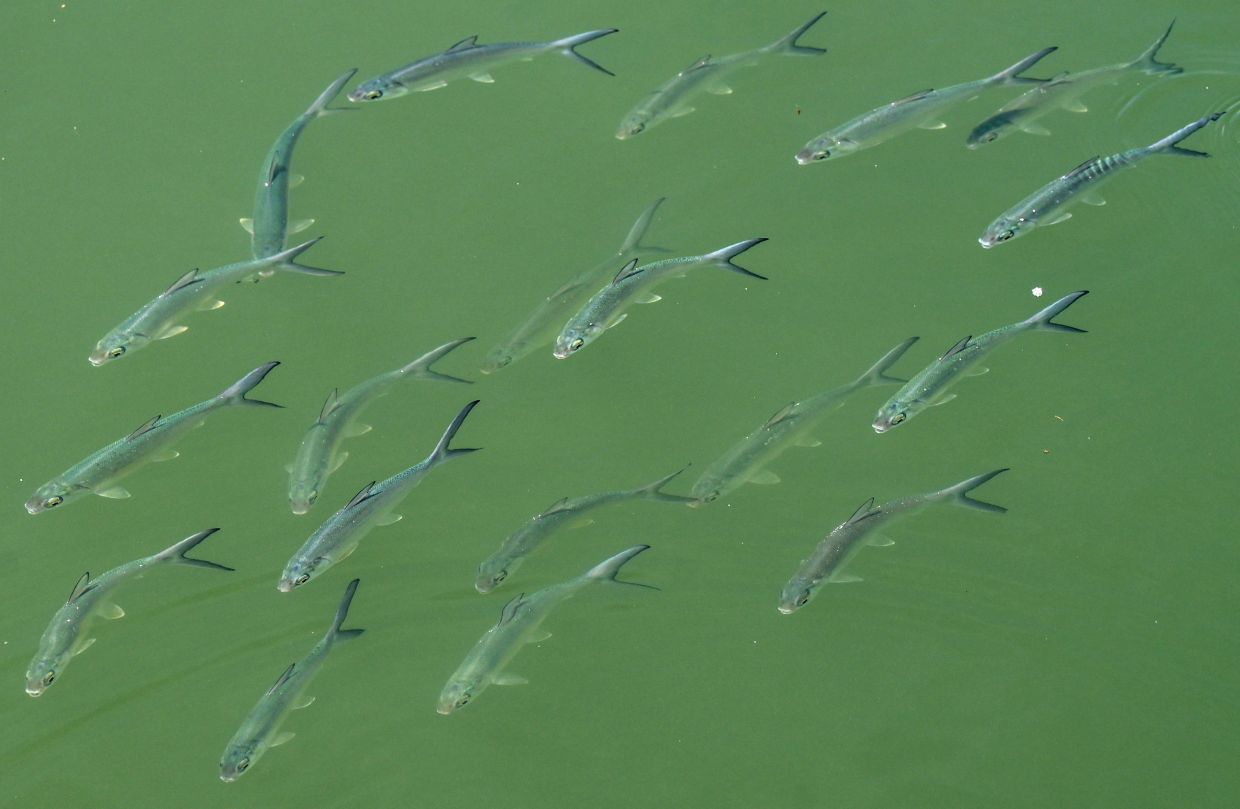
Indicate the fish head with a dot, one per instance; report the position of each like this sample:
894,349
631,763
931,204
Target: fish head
42,673
632,126
50,495
299,571
706,491
498,358
573,339
492,573
893,413
114,346
822,148
796,594
237,759
987,131
456,695
301,495
376,90
1003,230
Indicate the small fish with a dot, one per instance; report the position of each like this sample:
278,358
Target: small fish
920,110
927,389
193,291
500,565
468,58
519,624
269,228
339,536
672,100
100,472
827,561
543,324
1064,91
66,635
261,729
319,454
789,426
1047,206
633,284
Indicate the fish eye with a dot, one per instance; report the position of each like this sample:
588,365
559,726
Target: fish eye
1007,234
898,417
314,495
302,579
463,700
115,352
371,95
49,678
53,501
823,155
803,599
500,576
576,344
242,764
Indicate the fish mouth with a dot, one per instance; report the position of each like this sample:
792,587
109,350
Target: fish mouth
34,507
285,586
97,358
299,508
786,610
35,690
560,353
444,709
804,157
987,242
880,428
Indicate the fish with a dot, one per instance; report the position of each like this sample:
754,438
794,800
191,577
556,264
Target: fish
919,110
269,226
673,99
927,389
319,455
68,633
1063,92
193,291
260,731
101,471
1048,205
499,566
543,324
468,58
520,623
373,505
789,426
826,563
633,284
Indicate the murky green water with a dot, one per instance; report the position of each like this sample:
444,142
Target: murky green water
1079,650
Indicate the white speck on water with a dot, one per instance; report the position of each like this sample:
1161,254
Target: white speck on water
1037,292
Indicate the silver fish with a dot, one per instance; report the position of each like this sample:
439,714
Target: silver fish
519,624
319,455
745,462
543,324
499,566
827,561
100,472
1048,205
921,109
339,536
67,634
193,291
673,99
468,58
261,729
927,389
269,226
633,284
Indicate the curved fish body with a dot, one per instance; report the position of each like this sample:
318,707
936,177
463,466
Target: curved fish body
519,623
339,536
261,729
634,284
159,318
827,561
927,389
790,426
100,472
920,110
319,453
543,324
499,566
673,99
469,59
1049,204
269,227
67,634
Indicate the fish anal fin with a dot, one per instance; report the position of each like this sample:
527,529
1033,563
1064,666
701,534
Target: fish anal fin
507,678
763,477
247,224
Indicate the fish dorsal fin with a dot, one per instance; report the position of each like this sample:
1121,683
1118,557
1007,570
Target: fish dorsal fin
957,348
509,612
79,587
365,494
467,42
555,508
1079,169
145,427
282,679
699,64
863,511
627,271
329,405
191,277
779,415
917,96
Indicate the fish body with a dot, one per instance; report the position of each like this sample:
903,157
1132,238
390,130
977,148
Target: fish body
634,284
100,472
469,59
500,566
519,624
1048,205
336,538
319,453
67,634
789,426
921,109
193,291
543,324
836,548
927,389
673,99
261,729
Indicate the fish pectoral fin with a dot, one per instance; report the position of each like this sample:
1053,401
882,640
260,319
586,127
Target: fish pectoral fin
942,400
763,477
617,321
1093,198
171,331
719,90
115,493
978,371
483,78
844,578
81,646
1063,217
434,86
932,125
808,441
1075,105
539,636
281,738
295,180
337,462
207,306
682,112
288,467
1034,129
388,519
111,611
165,455
582,523
649,298
304,702
507,678
247,224
300,225
356,429
880,541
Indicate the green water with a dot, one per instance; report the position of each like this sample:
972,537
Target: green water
1078,651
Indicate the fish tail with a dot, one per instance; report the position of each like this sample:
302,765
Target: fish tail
442,450
1168,146
1044,318
568,45
421,367
284,260
176,553
1146,62
877,374
235,393
342,612
959,494
607,569
724,255
788,45
319,108
653,491
1012,74
633,242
